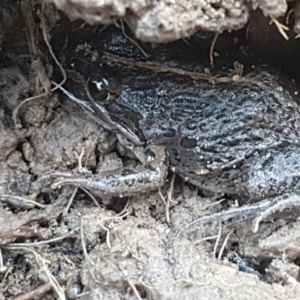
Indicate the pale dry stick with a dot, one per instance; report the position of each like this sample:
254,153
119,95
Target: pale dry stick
16,110
218,240
5,276
281,28
124,210
212,46
36,293
224,245
7,196
187,42
86,255
107,234
67,208
144,284
169,198
82,295
59,238
83,170
42,262
161,196
134,289
208,238
2,267
129,38
213,204
46,39
79,160
287,18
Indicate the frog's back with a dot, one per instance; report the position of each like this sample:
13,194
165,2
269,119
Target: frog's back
209,127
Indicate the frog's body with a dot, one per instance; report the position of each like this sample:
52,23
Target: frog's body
234,138
238,138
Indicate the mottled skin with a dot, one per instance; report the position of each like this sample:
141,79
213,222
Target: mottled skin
239,138
234,138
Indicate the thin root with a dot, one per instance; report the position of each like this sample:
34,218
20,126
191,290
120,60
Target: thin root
224,245
59,238
212,46
218,240
281,28
130,39
43,264
86,255
45,36
36,293
169,199
134,290
19,201
67,208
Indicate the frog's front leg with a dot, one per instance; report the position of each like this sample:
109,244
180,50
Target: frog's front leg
120,182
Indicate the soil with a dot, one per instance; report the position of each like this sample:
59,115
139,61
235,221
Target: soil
120,248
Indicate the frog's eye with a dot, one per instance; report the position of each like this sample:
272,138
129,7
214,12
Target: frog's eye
96,91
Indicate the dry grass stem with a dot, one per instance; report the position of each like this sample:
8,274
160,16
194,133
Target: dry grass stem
212,47
134,290
45,241
36,293
43,265
46,39
224,245
218,240
129,38
86,255
281,28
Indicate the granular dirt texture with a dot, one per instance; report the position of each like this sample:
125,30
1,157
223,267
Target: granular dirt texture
164,21
63,243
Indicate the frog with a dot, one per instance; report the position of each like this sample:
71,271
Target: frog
239,138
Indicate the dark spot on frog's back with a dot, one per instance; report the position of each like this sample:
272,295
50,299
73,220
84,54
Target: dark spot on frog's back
188,143
112,181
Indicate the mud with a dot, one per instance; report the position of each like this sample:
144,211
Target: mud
119,248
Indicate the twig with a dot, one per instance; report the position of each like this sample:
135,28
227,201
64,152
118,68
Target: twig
91,196
7,197
43,264
224,245
83,244
169,198
212,46
218,240
130,39
2,267
134,290
36,293
45,36
66,210
281,28
45,241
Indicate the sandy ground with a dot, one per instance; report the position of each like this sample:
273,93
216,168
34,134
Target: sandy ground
115,248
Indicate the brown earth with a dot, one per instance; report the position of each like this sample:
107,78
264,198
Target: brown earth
124,248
